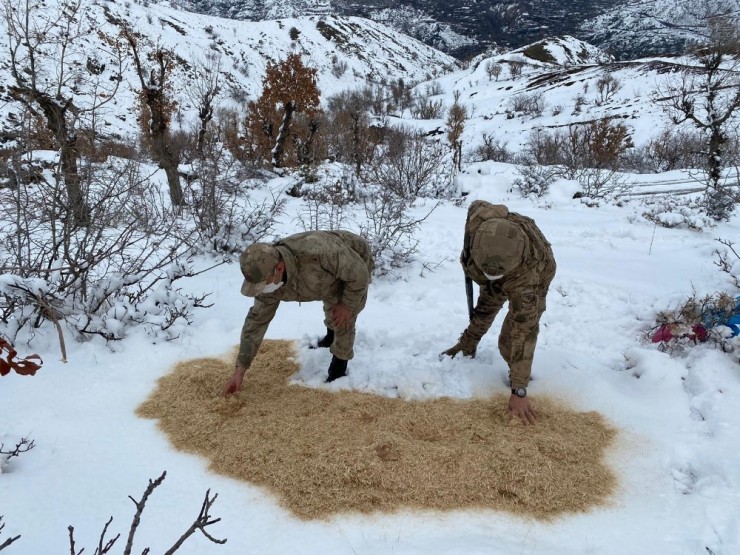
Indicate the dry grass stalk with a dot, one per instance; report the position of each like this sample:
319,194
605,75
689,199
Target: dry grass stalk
323,453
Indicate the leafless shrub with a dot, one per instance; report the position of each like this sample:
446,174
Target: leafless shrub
434,88
425,108
515,68
390,230
326,202
22,446
491,149
338,68
528,104
544,148
606,86
410,165
199,524
493,69
8,541
673,149
601,184
225,218
728,261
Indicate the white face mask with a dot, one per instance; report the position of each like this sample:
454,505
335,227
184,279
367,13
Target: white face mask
493,278
272,287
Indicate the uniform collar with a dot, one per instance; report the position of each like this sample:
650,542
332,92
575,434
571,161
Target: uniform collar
290,262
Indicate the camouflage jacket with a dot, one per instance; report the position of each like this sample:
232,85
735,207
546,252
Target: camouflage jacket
330,266
510,245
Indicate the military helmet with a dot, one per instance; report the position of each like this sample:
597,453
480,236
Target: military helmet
257,262
498,246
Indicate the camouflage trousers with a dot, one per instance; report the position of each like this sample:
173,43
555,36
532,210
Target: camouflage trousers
344,339
518,338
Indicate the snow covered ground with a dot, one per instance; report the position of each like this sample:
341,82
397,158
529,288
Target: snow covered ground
679,418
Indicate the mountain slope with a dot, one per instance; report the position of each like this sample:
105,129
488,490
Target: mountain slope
347,52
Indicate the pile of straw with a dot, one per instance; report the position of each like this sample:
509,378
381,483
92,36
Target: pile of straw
323,453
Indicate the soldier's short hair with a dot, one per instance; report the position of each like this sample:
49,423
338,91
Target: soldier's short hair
257,262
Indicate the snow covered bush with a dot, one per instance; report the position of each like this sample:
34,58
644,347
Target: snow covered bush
676,212
326,202
118,270
534,180
728,261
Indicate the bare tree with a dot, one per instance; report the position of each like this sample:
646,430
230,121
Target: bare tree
708,95
349,124
203,89
493,69
154,69
44,46
455,126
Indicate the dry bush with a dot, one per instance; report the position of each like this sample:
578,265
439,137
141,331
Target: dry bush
527,104
390,229
673,149
606,86
199,524
325,453
410,165
425,108
534,180
728,261
491,148
8,541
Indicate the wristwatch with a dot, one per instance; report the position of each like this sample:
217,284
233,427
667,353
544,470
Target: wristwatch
519,391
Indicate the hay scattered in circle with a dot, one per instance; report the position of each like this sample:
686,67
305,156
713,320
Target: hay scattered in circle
323,453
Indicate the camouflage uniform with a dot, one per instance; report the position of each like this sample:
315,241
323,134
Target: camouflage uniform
329,266
506,244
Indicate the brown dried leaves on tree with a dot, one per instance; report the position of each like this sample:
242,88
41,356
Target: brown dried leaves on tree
288,107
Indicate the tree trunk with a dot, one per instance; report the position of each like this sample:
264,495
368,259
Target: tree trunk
277,151
169,162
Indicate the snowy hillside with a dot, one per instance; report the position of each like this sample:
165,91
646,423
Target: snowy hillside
348,52
559,83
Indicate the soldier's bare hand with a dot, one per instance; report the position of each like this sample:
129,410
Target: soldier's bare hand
234,385
340,316
519,406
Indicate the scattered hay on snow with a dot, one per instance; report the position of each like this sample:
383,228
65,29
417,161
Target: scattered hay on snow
323,453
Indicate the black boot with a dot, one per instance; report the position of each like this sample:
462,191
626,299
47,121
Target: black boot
327,340
337,369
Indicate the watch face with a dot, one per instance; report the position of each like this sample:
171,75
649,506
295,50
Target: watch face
520,392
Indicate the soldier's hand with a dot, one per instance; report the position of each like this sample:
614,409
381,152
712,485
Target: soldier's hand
340,316
234,385
465,344
519,406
